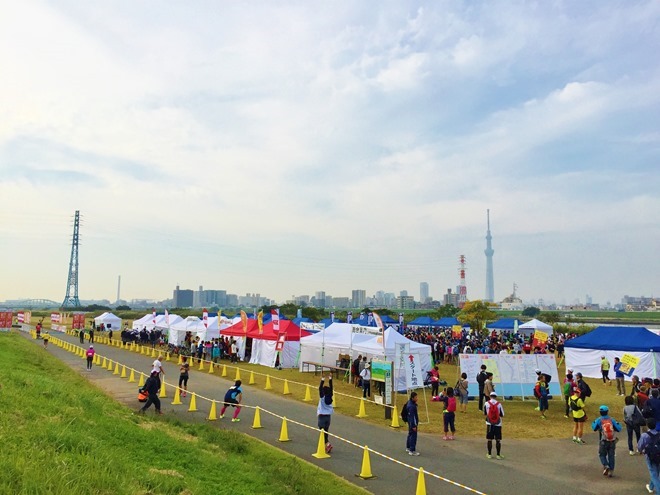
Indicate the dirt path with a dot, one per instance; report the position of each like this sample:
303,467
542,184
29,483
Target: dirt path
536,466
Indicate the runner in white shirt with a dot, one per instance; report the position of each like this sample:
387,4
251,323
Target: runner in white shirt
158,365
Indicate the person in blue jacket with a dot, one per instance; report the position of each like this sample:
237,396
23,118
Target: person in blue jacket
413,421
606,428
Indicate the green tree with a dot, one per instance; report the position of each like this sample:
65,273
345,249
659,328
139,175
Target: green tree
550,317
531,311
123,307
446,310
476,314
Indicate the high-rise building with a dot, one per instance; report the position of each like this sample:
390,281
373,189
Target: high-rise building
423,292
320,299
359,298
489,251
405,302
403,293
450,299
182,298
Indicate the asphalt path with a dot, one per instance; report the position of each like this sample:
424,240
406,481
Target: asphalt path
548,466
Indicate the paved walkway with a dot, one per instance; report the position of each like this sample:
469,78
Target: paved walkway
534,466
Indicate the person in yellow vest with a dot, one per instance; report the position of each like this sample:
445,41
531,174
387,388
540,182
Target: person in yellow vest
605,370
46,337
576,405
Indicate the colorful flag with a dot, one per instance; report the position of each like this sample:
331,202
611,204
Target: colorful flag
153,315
167,318
275,313
205,318
370,319
349,317
379,323
244,319
260,321
332,317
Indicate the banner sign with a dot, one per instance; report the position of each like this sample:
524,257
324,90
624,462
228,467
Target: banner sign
244,321
312,327
275,313
281,338
366,330
456,332
413,372
540,340
628,364
78,321
6,318
205,318
55,318
260,321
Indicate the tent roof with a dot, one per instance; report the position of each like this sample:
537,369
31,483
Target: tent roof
290,329
328,321
425,321
392,337
634,339
336,335
504,324
447,321
107,317
236,330
536,325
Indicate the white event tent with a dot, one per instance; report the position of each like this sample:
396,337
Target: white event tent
325,346
193,324
140,323
532,325
110,321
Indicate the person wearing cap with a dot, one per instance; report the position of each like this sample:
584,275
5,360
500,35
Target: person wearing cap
605,370
494,413
567,389
606,426
647,439
365,374
90,357
579,415
585,389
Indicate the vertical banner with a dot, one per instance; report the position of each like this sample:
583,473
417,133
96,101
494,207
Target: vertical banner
281,338
332,316
370,319
167,318
379,323
260,321
205,318
244,321
153,315
349,317
400,353
540,340
456,332
401,319
413,372
275,313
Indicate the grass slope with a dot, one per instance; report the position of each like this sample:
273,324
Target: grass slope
60,435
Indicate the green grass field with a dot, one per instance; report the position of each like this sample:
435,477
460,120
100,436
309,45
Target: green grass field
61,435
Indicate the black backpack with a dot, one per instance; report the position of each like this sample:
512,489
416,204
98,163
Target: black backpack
404,413
574,405
652,450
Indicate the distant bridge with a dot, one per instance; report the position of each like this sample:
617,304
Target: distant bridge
30,304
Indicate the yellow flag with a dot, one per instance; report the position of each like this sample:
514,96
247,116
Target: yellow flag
244,319
260,321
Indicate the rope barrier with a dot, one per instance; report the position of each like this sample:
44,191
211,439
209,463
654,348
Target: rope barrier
284,429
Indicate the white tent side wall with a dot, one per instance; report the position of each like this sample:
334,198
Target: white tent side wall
587,362
264,353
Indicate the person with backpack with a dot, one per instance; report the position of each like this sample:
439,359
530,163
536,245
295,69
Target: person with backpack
585,389
494,413
482,376
325,409
233,398
541,393
576,405
411,417
606,427
152,387
567,390
634,420
649,445
449,413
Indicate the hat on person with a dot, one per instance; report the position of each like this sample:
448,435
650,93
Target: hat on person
538,371
578,374
493,394
91,347
569,371
603,408
367,365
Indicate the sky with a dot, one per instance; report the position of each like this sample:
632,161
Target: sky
291,147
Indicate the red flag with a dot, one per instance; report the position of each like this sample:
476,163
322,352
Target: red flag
275,313
205,318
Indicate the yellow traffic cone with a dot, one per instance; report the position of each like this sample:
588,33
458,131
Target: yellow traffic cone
284,432
308,394
116,372
320,448
251,382
362,413
123,372
224,370
97,359
421,484
256,424
211,370
163,392
193,403
104,365
213,416
395,418
334,401
82,354
131,378
286,390
177,397
141,382
365,472
201,365
238,374
153,352
167,356
268,385
180,361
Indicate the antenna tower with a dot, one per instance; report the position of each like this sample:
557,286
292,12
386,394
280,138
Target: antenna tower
489,251
462,288
71,299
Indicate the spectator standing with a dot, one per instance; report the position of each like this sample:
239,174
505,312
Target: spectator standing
325,409
413,422
606,428
649,445
449,414
90,357
579,416
482,376
355,370
541,392
152,387
620,378
81,336
605,370
567,389
435,381
633,419
365,374
91,336
585,389
494,413
184,374
234,351
463,394
233,398
489,388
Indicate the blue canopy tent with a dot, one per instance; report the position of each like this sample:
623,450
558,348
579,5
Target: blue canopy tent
423,321
504,324
584,353
304,319
447,321
328,321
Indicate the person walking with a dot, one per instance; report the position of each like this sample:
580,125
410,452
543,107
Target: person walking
482,376
152,387
620,378
325,409
449,414
91,336
183,376
90,357
634,420
413,422
494,413
81,336
649,445
46,337
576,405
606,428
365,374
605,370
233,398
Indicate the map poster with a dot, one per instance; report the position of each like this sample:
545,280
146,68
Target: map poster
492,367
628,364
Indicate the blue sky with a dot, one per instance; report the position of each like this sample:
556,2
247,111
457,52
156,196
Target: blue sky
290,147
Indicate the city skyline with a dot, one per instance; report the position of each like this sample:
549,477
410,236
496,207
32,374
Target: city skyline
295,147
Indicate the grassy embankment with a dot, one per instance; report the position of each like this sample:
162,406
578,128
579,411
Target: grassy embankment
61,435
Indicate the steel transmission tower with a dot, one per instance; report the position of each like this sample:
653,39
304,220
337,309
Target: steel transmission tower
489,251
71,299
